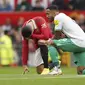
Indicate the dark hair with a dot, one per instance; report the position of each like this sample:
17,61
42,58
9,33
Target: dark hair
6,32
52,7
26,31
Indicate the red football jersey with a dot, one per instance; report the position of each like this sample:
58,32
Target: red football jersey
42,32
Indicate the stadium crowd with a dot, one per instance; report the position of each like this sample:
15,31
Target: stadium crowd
9,29
39,5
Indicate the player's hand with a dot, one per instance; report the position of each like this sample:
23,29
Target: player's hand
25,69
49,42
42,42
46,42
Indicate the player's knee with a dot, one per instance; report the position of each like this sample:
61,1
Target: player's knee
40,68
83,72
39,72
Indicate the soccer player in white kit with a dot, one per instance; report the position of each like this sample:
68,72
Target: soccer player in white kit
75,41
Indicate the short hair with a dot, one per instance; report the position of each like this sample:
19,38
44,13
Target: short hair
52,7
26,31
6,32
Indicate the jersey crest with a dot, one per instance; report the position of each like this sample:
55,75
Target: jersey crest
44,25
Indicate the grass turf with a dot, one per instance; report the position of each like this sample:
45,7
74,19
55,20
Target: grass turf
14,76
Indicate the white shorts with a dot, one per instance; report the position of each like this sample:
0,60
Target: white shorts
35,58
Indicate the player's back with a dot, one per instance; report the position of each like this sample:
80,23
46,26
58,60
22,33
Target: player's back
70,28
42,25
39,21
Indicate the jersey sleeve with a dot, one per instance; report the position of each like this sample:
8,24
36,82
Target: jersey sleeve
24,51
58,23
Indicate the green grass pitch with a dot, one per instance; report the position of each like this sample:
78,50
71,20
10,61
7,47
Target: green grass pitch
14,76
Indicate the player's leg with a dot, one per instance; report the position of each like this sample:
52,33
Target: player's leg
44,54
40,64
35,60
81,70
79,59
66,45
54,56
62,44
39,68
55,61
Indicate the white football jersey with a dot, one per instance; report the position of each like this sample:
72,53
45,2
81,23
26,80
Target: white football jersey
70,28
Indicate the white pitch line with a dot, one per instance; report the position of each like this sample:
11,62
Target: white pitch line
13,78
45,77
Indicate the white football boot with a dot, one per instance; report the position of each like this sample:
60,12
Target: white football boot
56,71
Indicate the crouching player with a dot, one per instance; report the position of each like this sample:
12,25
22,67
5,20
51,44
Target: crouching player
36,29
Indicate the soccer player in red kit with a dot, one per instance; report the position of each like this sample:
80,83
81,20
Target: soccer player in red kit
36,29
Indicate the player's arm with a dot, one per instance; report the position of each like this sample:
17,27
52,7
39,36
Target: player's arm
25,54
24,51
58,24
58,27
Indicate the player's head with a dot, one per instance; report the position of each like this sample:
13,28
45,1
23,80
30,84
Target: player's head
26,31
51,11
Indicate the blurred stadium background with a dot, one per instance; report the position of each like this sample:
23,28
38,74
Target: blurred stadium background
13,13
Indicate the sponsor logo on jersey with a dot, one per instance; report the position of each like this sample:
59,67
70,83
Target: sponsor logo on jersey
56,22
